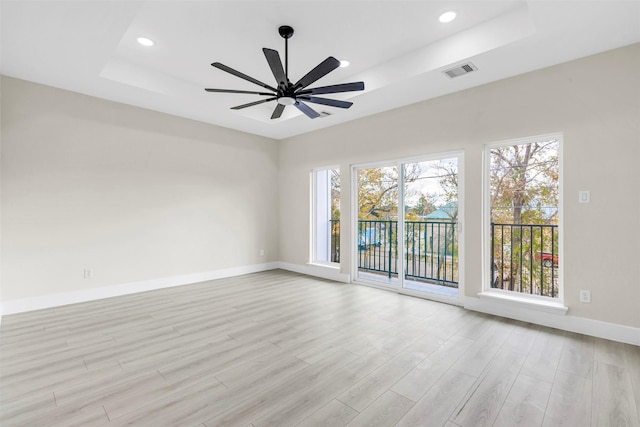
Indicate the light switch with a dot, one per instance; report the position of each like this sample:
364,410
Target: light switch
584,196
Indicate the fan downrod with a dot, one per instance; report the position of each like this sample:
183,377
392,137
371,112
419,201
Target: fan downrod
286,32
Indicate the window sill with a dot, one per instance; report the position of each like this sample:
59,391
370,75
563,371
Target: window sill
333,266
532,303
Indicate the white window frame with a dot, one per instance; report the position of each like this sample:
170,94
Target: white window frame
542,303
313,250
399,162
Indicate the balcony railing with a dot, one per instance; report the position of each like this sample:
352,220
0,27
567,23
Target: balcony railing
335,240
431,251
524,258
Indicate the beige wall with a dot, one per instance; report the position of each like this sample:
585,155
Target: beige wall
594,102
130,193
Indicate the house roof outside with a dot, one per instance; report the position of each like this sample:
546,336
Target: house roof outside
447,212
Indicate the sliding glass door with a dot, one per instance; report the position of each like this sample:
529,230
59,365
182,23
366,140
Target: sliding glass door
377,224
420,253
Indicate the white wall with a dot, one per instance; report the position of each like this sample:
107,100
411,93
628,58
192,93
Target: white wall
594,102
132,194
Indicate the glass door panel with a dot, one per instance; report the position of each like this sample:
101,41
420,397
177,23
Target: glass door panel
377,224
431,226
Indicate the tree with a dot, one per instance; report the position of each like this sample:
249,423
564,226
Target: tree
448,179
335,194
425,205
524,190
378,191
523,182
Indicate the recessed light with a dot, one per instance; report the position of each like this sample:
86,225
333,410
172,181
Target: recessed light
145,41
447,17
344,63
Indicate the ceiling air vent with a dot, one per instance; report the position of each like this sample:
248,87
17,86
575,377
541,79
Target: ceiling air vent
460,70
324,114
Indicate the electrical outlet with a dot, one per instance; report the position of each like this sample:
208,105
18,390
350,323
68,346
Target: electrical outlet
88,273
585,296
261,252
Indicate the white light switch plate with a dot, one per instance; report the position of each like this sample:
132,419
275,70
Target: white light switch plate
584,196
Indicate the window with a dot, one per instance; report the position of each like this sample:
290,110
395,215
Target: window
325,216
523,233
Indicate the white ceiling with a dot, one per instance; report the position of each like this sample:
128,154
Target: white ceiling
398,48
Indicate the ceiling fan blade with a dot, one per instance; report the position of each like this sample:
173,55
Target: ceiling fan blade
273,58
278,111
325,101
344,87
321,70
310,112
242,76
251,104
239,91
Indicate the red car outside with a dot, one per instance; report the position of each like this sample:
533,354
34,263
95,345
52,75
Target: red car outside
547,259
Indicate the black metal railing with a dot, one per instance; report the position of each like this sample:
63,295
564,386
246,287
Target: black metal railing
378,246
524,258
431,251
335,240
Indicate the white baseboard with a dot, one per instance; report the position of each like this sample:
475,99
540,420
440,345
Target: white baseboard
581,325
56,300
327,272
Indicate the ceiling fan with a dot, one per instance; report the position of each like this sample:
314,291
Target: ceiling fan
287,93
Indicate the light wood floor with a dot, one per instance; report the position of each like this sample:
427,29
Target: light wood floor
282,349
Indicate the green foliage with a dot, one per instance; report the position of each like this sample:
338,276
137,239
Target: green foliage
378,193
335,194
425,205
524,183
524,190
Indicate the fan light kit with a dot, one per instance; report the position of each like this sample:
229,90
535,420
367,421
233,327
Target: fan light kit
287,93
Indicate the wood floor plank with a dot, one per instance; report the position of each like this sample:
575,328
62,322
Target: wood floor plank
610,352
302,405
384,412
367,390
94,417
482,353
542,361
420,379
613,401
118,405
485,400
525,404
10,408
633,358
577,356
333,414
522,337
438,404
570,401
264,403
281,348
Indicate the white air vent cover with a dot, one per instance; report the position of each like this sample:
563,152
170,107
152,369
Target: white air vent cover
460,70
